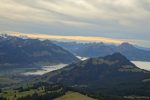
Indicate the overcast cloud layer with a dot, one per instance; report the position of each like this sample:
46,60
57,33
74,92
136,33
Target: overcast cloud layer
125,19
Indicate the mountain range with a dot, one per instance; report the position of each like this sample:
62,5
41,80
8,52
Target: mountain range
113,74
101,49
18,51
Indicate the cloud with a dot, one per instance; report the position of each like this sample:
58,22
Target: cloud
110,18
74,9
142,43
60,37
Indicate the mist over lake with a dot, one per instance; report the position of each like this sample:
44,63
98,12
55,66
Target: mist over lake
45,69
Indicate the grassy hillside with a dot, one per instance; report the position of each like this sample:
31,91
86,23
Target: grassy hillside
6,81
38,91
45,91
41,91
74,96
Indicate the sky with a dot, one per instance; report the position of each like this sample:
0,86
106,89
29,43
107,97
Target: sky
118,19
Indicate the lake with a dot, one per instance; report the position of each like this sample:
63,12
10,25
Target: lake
142,64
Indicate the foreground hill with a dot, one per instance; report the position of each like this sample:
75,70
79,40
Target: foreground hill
42,91
38,91
15,51
101,49
74,96
113,74
45,91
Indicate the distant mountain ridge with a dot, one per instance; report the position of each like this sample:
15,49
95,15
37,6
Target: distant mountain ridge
101,49
14,50
110,74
